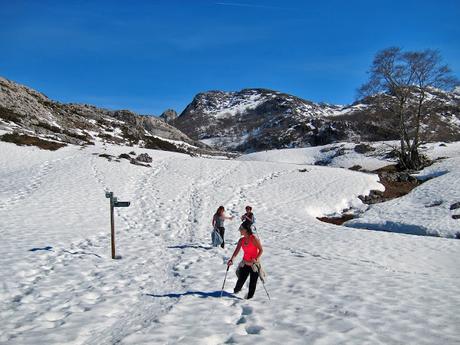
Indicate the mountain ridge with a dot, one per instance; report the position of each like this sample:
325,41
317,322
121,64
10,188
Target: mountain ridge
253,119
25,111
260,119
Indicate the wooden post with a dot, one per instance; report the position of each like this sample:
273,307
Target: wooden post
112,225
114,203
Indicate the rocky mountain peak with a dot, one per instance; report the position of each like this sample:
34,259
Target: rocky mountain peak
168,115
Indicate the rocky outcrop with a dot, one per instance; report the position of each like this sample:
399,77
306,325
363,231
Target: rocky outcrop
26,111
168,115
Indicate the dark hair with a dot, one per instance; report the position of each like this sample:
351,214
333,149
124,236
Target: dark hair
220,210
246,225
249,207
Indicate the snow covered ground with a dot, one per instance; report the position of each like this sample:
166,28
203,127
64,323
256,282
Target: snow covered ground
328,284
327,153
424,211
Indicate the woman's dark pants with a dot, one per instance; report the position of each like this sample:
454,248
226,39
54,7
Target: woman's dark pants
221,233
243,275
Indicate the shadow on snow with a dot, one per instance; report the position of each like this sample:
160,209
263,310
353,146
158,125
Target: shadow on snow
185,246
83,253
395,227
200,294
48,248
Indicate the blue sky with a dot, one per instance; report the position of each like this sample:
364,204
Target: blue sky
148,56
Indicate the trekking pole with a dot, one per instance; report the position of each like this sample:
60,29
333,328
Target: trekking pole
257,233
222,291
263,284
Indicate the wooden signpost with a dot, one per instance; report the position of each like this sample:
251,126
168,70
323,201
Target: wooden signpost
114,203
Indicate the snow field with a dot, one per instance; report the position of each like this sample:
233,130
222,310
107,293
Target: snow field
424,211
328,284
309,155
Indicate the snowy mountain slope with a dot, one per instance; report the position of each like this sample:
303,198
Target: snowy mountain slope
232,119
260,119
26,111
327,284
245,121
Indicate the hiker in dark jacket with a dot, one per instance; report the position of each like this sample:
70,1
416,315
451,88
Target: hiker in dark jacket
218,222
248,216
250,265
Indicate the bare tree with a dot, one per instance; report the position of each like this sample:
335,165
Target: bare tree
410,80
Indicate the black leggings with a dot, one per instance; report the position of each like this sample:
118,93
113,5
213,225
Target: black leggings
243,275
221,231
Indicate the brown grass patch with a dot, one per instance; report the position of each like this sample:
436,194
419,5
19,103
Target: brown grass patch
49,127
392,168
396,189
27,140
158,144
336,220
8,115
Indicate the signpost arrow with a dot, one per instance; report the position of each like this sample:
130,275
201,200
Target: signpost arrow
121,204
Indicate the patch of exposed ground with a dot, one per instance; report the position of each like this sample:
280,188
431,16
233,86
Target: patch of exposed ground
27,140
337,220
396,183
